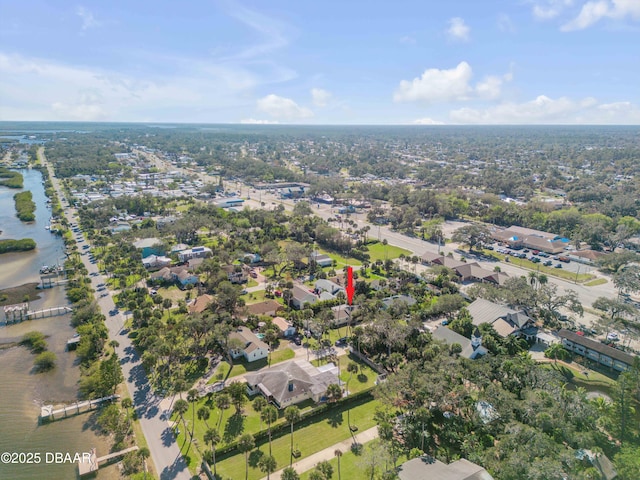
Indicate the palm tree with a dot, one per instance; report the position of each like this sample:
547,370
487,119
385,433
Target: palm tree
292,414
269,415
127,403
268,465
352,368
556,351
333,393
203,414
192,398
338,454
180,407
245,445
223,402
258,404
144,453
213,437
289,474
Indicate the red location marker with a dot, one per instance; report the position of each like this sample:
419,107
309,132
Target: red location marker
350,288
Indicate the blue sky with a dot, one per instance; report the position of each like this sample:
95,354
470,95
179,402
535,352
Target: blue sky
322,62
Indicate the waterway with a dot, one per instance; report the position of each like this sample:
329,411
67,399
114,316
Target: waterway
18,268
22,392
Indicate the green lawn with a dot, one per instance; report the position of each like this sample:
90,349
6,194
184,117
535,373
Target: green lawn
378,251
240,368
331,428
341,260
596,282
351,466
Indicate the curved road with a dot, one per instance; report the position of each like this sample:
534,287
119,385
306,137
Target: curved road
163,447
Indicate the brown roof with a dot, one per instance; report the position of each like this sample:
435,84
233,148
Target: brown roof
200,304
597,346
263,308
281,323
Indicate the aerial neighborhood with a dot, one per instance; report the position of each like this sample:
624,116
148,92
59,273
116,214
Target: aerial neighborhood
426,313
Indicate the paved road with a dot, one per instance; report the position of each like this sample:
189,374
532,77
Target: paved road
328,453
164,450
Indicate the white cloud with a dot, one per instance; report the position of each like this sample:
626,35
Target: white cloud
88,20
284,108
39,89
548,9
458,30
594,11
427,121
253,121
545,110
437,85
320,97
505,24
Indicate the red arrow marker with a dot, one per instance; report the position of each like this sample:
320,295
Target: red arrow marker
350,288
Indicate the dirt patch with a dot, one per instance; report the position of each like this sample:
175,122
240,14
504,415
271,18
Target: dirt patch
10,296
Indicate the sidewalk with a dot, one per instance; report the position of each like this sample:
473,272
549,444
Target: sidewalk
328,453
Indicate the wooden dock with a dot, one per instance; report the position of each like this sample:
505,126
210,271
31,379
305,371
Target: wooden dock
48,413
21,312
92,464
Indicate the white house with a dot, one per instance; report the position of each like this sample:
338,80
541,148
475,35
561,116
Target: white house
254,348
195,252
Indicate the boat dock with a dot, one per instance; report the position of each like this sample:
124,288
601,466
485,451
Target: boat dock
92,463
48,413
20,312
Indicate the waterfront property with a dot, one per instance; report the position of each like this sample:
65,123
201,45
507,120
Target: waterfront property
596,351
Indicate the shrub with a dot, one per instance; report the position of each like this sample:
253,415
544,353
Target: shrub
34,341
45,361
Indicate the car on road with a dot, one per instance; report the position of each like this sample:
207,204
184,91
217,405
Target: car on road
104,294
444,323
113,312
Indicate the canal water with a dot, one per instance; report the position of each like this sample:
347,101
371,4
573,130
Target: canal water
22,392
18,268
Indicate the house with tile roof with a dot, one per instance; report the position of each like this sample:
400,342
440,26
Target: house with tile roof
292,382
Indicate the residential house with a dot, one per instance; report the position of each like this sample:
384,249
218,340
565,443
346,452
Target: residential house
398,299
427,467
195,252
505,321
155,262
596,351
327,290
179,275
471,349
301,297
253,349
149,246
321,259
237,274
252,258
200,304
268,307
342,314
285,329
292,382
466,272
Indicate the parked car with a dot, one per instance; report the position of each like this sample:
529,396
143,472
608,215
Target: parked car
564,259
548,263
557,265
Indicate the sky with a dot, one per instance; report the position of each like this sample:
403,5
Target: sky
321,62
